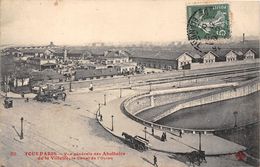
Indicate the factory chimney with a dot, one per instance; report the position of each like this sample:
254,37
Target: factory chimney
65,54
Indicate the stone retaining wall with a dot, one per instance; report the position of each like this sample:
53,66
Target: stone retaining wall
243,89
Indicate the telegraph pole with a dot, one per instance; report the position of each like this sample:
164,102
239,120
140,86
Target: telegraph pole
70,86
105,99
98,109
21,136
199,141
112,123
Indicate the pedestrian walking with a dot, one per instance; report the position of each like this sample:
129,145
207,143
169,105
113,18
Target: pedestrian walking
180,133
101,118
152,131
64,96
27,100
165,139
162,138
155,161
22,94
91,86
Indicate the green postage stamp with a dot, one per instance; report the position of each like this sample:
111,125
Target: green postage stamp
210,22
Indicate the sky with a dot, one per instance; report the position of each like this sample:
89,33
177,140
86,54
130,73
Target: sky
80,22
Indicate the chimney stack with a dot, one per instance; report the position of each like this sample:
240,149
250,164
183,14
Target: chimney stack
243,38
65,54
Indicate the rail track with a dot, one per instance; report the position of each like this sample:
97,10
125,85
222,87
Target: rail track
198,76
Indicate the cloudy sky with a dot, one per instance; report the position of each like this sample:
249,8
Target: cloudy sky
111,21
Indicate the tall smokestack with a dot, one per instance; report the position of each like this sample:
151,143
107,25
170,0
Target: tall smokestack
243,38
65,54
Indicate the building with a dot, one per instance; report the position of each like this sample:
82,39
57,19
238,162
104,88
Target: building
184,61
231,56
95,73
113,57
43,53
153,59
126,68
250,54
165,59
20,81
40,64
209,57
46,76
77,54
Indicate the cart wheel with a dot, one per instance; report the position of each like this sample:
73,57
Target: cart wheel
141,148
135,146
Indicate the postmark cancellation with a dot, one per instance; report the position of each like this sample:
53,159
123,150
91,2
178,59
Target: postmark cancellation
208,22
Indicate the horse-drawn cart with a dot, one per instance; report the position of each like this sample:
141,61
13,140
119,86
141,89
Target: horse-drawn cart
136,142
196,157
50,95
8,103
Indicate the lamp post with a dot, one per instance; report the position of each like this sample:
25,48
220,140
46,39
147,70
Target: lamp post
112,123
199,141
5,86
145,132
129,81
235,116
21,136
120,92
150,87
70,86
105,99
98,109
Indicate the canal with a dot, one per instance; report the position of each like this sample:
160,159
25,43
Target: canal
217,115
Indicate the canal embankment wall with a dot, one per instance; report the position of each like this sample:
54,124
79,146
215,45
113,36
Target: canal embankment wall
142,102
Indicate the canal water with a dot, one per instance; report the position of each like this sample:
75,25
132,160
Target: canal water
217,115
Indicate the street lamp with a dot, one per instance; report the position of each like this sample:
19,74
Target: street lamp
70,87
199,141
235,116
120,92
5,86
145,132
112,123
21,136
98,109
105,100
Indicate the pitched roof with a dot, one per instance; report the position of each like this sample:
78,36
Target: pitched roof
95,72
45,75
78,52
116,54
156,54
186,53
232,52
211,52
58,50
251,51
33,50
196,56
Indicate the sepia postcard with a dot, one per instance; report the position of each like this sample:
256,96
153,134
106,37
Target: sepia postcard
142,83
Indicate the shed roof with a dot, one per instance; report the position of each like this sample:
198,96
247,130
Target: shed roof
95,72
45,75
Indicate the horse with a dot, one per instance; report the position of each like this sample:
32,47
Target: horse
196,157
